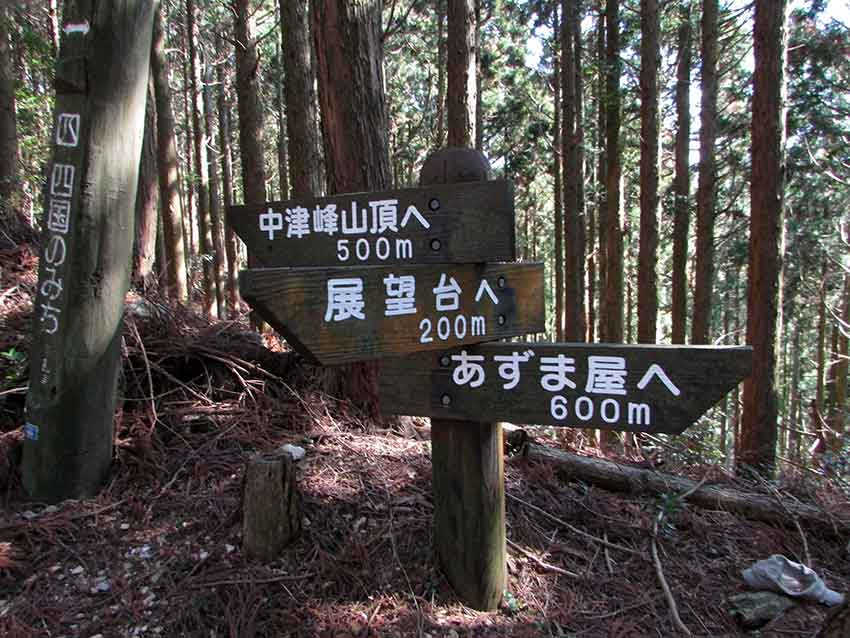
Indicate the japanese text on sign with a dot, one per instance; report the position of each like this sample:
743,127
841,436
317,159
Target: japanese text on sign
606,377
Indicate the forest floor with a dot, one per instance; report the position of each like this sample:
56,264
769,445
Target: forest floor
158,552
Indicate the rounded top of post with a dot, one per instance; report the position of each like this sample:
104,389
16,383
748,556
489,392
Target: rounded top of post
452,165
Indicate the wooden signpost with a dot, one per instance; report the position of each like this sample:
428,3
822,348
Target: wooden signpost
413,277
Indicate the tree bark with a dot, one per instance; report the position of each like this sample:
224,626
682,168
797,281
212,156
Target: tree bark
231,245
11,219
167,162
614,252
216,220
461,96
200,141
147,199
440,129
707,187
84,271
650,61
601,167
558,157
304,154
354,128
249,106
682,180
574,238
759,421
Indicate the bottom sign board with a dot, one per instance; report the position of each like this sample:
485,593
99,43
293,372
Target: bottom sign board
638,388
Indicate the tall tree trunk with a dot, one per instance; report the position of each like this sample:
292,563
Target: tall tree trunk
304,154
601,166
53,25
10,217
216,225
354,129
147,199
573,247
794,420
682,179
231,246
190,212
479,111
461,77
249,106
650,61
557,155
440,129
202,176
758,431
837,415
613,308
614,252
584,271
84,271
167,164
707,187
282,155
250,115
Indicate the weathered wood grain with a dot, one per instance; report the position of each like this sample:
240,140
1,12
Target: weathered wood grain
295,301
423,385
87,244
470,222
468,476
271,515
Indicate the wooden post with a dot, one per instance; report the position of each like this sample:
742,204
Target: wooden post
468,479
271,516
87,246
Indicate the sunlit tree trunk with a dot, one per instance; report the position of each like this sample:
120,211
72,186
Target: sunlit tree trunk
231,243
167,164
601,167
216,219
682,179
707,187
304,153
200,139
462,88
147,199
557,155
354,129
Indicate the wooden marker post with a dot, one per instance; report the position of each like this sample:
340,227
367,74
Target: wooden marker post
87,245
468,479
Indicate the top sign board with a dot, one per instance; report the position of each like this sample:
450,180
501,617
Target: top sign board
440,224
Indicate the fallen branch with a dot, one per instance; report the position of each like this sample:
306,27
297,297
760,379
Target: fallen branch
575,530
547,567
659,572
623,478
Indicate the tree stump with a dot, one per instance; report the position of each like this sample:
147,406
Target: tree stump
271,517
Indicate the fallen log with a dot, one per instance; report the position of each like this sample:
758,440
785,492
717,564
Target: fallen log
623,478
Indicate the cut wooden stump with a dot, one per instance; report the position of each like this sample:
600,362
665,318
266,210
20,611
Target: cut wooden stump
623,478
271,517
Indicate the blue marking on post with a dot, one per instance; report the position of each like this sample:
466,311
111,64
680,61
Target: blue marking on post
31,431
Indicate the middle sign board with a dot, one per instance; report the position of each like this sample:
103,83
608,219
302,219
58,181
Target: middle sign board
338,315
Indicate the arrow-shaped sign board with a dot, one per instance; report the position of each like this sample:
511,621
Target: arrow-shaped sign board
455,223
338,315
637,388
